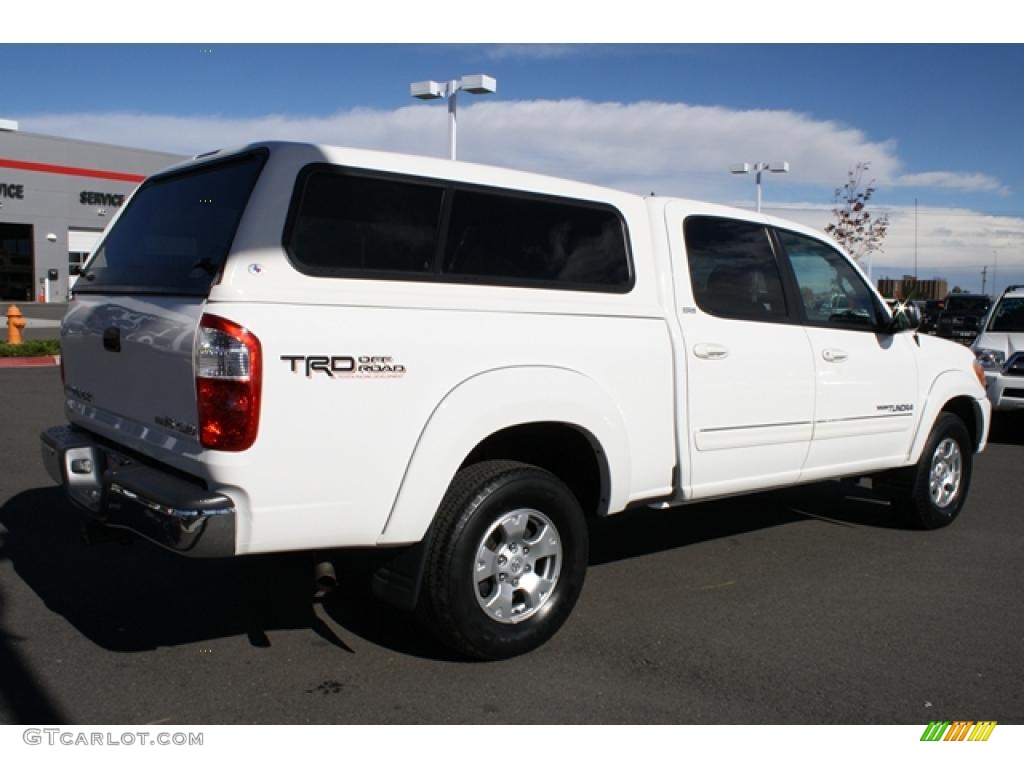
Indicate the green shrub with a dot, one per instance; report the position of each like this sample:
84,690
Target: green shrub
31,348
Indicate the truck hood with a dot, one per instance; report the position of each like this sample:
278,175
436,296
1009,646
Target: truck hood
1007,343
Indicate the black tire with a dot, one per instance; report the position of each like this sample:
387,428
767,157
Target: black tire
927,505
483,504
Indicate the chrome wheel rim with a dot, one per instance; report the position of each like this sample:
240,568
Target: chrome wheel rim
946,473
517,565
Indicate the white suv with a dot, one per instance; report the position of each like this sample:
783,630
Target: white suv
1000,350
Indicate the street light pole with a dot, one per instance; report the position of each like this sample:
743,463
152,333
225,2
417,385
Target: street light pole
431,89
758,169
452,89
757,184
995,266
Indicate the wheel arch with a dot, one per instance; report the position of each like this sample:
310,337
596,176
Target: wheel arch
568,451
952,392
970,413
503,414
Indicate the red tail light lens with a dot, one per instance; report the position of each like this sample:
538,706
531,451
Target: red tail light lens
229,370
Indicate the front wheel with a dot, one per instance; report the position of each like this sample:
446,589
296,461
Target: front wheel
938,483
507,560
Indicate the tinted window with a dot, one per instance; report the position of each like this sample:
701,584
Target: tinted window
176,232
973,305
506,238
733,269
345,222
831,290
1008,316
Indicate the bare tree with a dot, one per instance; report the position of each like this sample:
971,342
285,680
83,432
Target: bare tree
854,228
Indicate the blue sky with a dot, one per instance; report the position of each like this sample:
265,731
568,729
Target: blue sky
941,124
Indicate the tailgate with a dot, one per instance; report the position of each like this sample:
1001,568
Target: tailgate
128,368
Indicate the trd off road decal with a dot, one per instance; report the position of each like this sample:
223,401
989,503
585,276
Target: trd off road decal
346,366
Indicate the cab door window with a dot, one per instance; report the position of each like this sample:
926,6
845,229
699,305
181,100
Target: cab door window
832,292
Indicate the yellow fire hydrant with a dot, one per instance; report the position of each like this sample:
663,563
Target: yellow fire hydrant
15,322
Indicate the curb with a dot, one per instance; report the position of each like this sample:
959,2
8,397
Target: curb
42,361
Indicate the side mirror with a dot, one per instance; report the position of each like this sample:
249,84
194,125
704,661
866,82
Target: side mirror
905,317
74,269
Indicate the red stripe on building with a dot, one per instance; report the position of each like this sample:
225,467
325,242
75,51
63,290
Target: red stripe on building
67,170
29,362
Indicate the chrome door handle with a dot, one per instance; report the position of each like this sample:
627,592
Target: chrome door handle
833,355
710,351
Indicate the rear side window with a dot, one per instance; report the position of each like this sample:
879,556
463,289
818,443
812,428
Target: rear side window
176,232
733,269
345,223
501,238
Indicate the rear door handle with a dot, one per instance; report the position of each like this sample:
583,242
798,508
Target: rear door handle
834,355
710,351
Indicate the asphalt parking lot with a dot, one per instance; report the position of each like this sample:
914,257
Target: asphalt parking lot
810,605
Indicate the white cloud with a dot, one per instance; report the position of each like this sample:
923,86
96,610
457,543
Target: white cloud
669,148
673,148
686,149
689,147
954,243
968,182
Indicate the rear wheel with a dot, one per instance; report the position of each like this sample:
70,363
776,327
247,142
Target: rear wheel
507,560
937,486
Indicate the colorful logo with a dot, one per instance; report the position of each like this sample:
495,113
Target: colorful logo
959,730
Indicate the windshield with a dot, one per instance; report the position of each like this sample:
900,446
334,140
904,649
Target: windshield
176,232
1008,316
973,305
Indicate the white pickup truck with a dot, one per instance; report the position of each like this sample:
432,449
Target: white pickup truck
296,347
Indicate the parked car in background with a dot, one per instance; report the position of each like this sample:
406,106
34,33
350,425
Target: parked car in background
961,318
1000,350
930,314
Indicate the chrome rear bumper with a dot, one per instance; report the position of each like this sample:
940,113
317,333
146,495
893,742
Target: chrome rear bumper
119,492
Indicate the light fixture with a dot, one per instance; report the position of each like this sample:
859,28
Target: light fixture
758,169
432,89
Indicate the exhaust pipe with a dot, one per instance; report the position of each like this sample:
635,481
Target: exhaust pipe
324,578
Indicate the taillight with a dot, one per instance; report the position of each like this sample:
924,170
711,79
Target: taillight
228,364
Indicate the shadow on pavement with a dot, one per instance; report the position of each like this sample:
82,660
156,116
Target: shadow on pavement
1007,428
137,597
645,531
25,696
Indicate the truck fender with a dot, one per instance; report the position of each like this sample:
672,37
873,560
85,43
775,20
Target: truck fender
487,403
945,387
